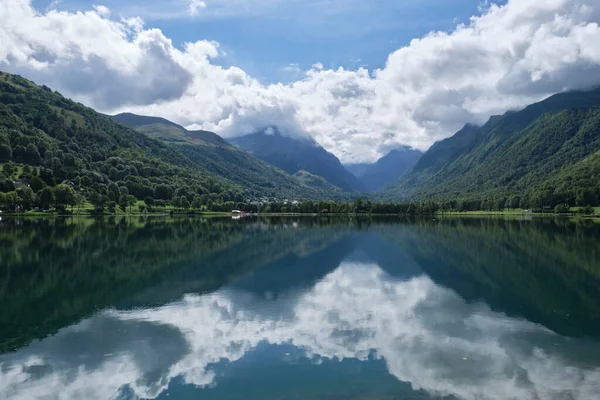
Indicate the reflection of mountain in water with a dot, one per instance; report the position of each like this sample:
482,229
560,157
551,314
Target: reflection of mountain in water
548,273
55,272
424,334
307,311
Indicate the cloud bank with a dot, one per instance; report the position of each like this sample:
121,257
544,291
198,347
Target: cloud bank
427,335
505,58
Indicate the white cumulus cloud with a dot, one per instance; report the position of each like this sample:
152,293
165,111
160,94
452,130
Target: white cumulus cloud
195,6
102,10
505,58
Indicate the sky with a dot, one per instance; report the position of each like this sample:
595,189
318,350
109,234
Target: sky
360,77
274,41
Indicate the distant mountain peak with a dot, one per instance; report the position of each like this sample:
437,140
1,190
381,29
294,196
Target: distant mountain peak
293,153
273,130
401,149
135,120
387,170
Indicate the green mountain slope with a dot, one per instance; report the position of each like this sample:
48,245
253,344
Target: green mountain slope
545,153
165,130
293,155
65,141
223,159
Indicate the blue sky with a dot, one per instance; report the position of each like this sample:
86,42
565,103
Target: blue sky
273,40
503,57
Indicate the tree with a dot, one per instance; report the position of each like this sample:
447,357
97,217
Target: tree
123,203
183,201
69,160
65,196
163,192
5,152
8,168
585,197
7,186
11,200
499,204
357,205
98,201
45,198
176,202
47,176
131,200
26,196
32,155
36,183
149,201
197,202
561,209
19,152
113,192
513,202
484,205
182,191
80,201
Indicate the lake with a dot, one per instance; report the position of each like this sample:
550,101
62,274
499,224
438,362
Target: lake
299,308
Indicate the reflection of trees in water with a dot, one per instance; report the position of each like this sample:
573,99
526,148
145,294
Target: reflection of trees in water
56,271
545,271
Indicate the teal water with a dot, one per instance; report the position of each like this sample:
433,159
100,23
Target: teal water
299,308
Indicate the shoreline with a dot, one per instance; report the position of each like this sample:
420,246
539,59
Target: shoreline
228,214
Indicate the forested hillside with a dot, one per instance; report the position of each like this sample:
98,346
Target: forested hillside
541,156
222,158
55,152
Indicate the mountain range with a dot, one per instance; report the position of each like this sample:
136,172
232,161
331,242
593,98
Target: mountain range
549,152
301,158
65,141
545,154
298,154
387,170
224,159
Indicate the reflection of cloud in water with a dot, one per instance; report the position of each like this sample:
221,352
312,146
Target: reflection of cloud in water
427,334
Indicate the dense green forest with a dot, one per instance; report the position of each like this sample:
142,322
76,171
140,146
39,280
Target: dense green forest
57,153
546,155
222,158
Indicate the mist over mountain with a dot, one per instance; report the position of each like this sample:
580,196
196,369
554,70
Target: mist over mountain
220,157
296,154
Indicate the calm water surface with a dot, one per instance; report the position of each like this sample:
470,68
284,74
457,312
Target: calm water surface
299,309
